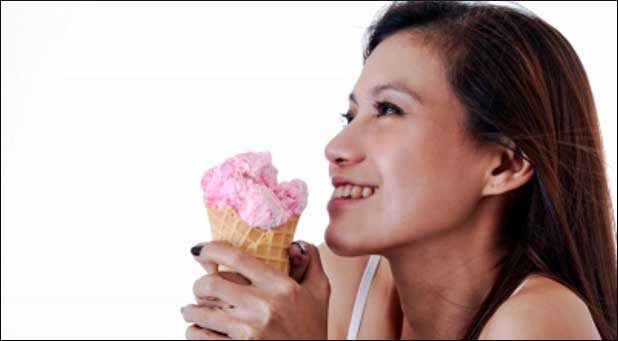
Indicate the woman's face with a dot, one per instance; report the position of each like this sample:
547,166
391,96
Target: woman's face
427,171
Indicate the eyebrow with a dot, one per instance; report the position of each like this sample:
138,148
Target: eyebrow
397,86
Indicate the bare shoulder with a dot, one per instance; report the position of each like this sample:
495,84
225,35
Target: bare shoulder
542,309
332,261
343,274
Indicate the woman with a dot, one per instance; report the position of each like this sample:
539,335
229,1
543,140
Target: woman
487,216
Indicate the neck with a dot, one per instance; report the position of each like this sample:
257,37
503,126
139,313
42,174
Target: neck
443,280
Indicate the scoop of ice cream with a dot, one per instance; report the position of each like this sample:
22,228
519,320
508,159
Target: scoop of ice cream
248,183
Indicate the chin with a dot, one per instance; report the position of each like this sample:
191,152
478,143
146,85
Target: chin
345,243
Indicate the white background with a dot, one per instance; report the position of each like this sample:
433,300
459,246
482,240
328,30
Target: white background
112,112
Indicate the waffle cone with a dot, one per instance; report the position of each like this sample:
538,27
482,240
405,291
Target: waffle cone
268,245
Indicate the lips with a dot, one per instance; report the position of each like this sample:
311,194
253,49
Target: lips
349,191
341,181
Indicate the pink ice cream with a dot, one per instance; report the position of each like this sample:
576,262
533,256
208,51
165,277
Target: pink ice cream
248,183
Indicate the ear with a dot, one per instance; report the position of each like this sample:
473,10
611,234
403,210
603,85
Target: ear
507,171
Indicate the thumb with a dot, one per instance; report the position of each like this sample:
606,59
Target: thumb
315,278
299,260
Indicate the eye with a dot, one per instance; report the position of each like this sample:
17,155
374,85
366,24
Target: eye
346,117
383,108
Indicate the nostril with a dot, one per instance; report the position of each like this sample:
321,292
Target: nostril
339,160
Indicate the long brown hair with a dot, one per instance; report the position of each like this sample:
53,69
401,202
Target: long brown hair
520,80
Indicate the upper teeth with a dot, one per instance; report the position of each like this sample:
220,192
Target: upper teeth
352,191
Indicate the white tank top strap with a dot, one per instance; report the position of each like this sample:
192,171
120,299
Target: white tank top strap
361,296
521,285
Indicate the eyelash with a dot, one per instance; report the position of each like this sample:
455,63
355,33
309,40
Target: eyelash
348,116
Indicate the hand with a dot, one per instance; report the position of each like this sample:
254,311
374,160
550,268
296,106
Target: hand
272,306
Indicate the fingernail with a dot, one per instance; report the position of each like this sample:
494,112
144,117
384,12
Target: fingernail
196,250
301,246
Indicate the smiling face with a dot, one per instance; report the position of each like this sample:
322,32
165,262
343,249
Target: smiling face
428,172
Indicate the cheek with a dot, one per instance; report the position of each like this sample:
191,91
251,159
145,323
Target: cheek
429,187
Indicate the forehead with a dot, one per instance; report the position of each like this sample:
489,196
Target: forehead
404,58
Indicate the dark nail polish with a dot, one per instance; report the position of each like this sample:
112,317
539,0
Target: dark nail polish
196,250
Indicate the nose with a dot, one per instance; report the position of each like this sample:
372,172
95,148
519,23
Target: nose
344,149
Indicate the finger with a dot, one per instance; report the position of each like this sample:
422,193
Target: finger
234,277
212,302
299,260
250,267
213,319
315,277
196,333
210,267
215,286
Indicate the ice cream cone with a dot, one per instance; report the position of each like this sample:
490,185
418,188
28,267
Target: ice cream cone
268,245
